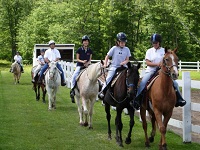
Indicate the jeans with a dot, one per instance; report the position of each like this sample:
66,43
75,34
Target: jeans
145,79
74,76
44,68
109,77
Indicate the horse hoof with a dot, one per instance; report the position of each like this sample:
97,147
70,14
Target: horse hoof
86,124
81,124
151,139
109,137
90,127
128,141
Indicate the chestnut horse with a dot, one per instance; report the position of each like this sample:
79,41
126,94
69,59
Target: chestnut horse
36,86
16,69
120,95
160,99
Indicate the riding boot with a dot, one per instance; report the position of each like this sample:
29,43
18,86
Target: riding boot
63,83
22,70
137,102
33,80
179,100
72,94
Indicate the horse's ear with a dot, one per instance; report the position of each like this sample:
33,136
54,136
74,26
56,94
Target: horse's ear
138,65
129,64
166,49
175,50
102,62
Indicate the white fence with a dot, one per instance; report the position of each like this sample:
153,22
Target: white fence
186,125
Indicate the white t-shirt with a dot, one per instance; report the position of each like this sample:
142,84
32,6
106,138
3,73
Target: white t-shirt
155,56
18,58
118,55
52,54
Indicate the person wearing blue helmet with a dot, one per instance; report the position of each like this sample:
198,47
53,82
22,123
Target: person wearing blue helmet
41,63
153,60
120,57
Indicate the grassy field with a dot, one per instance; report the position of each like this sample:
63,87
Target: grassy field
27,124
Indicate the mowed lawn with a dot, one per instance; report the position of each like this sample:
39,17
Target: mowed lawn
26,124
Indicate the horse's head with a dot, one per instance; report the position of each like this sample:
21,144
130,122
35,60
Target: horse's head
132,78
52,69
170,62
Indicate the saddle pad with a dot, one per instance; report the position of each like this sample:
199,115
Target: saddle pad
102,78
151,82
80,74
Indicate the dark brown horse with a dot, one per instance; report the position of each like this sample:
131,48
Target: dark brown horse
161,99
36,87
120,95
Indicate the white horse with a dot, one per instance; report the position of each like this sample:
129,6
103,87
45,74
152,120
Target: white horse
53,81
15,67
86,92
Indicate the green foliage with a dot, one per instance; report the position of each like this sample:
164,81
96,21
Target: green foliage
25,23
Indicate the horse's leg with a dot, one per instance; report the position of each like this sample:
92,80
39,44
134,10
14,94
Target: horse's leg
144,125
119,126
153,123
163,143
108,117
38,92
44,93
131,112
91,105
79,110
54,98
161,126
84,104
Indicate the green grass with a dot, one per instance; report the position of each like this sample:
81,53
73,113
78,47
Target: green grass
27,124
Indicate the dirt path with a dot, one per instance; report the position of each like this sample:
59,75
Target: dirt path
177,114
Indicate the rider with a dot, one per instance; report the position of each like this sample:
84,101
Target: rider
52,54
18,59
41,62
120,57
83,57
153,59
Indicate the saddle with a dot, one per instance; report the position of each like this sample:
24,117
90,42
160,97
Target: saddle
102,78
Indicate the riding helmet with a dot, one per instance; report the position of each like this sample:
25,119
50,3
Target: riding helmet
51,42
85,37
121,37
156,38
42,50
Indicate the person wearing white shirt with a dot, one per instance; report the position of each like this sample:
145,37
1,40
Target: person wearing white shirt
18,59
52,54
153,59
41,63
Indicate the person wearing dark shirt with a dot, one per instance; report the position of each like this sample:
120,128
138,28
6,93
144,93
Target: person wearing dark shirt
83,57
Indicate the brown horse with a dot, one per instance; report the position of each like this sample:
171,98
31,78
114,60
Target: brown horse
120,96
16,70
36,87
161,99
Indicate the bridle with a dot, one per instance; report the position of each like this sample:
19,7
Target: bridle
168,73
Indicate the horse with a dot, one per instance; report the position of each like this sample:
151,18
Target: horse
120,95
52,81
36,86
86,92
160,99
16,70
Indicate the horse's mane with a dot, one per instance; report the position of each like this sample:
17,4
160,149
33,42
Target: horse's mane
93,70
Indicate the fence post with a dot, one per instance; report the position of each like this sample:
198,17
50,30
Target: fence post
187,124
180,65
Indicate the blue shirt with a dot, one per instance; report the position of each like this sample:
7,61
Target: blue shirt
83,55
